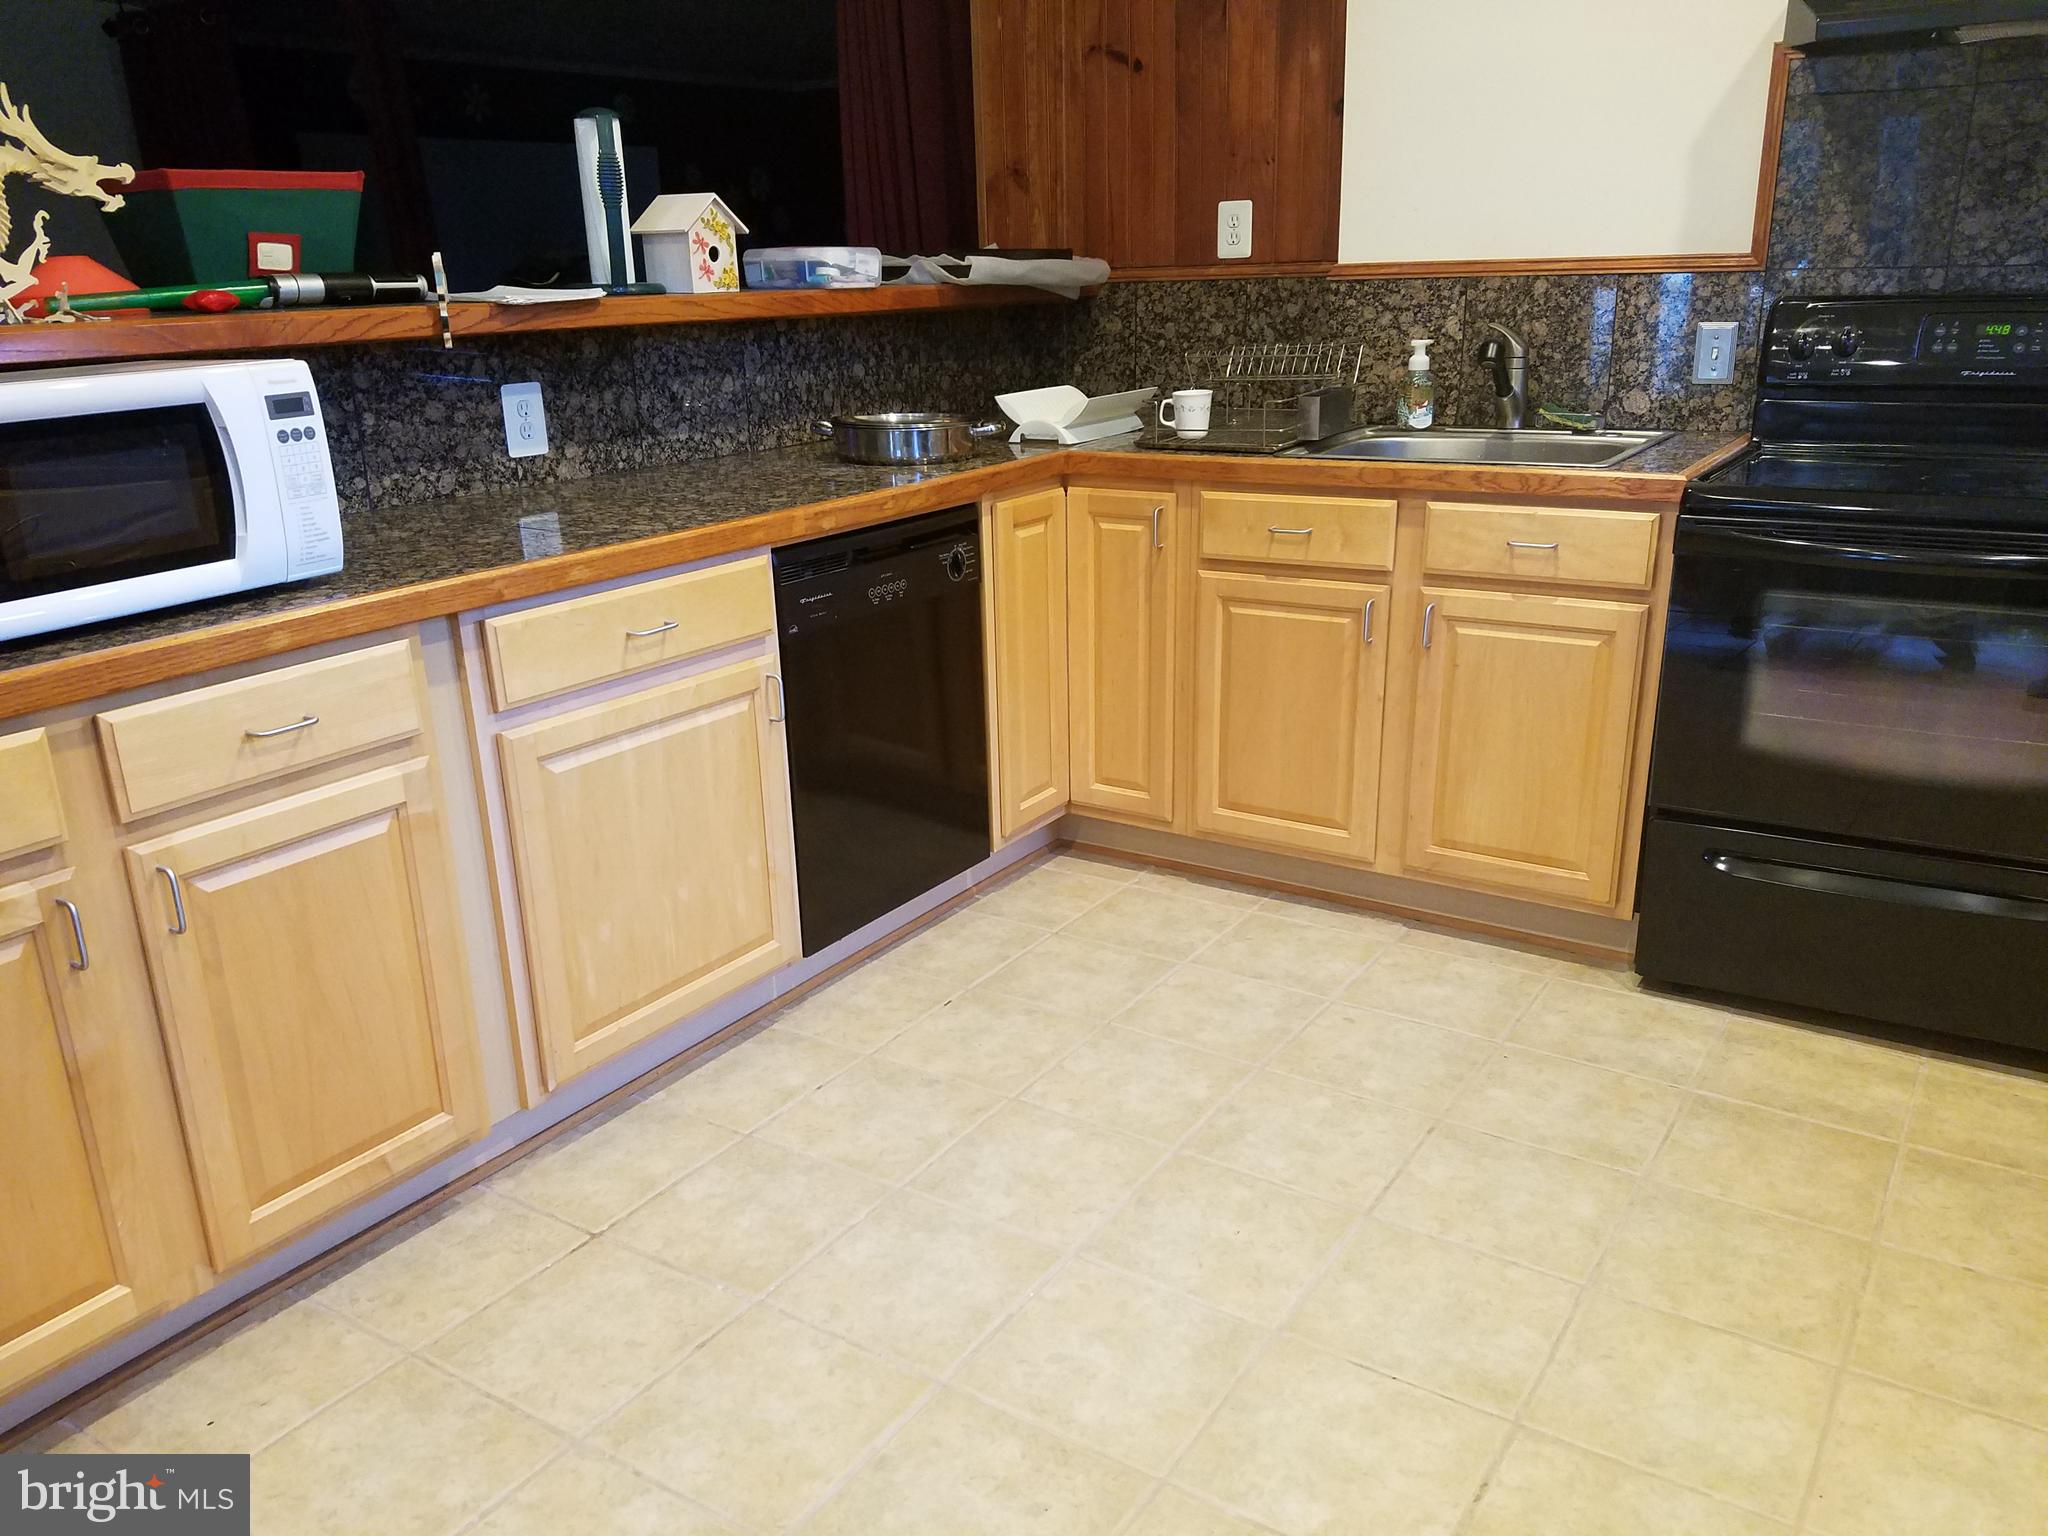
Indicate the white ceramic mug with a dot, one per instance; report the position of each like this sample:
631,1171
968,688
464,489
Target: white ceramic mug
1187,412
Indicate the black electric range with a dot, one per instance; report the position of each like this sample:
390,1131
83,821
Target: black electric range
1849,785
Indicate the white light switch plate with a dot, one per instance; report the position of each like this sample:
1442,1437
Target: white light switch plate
526,421
1234,229
1713,352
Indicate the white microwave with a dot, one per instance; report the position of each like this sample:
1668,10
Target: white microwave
141,485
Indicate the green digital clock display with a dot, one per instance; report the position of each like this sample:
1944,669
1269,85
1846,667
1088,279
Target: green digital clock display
2004,328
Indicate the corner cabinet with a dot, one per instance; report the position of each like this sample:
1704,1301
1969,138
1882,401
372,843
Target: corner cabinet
311,985
1525,720
1122,675
1025,546
1290,695
95,1187
651,840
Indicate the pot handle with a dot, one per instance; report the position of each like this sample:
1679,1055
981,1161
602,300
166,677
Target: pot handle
822,428
987,429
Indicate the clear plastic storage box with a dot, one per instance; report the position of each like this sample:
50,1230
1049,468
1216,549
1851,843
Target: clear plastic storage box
813,266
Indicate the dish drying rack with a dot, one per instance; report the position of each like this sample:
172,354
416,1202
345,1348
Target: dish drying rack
1269,395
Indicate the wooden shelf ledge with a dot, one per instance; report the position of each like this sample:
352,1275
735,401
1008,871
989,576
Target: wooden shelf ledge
291,330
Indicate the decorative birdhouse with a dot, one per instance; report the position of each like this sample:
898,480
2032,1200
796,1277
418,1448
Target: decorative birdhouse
691,242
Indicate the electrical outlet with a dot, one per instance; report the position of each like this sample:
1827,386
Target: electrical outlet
1713,352
526,420
1234,230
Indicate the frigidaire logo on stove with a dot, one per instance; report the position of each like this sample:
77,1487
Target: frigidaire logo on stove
160,1495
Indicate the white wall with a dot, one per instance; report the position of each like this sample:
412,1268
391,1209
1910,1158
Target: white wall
1520,129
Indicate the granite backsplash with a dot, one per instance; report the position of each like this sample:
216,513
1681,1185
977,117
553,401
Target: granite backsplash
1908,171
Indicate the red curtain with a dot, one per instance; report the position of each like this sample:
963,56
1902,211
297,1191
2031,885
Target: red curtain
906,125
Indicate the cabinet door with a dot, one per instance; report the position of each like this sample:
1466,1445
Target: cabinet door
1290,688
1120,650
653,857
1525,713
315,1001
72,1270
1028,585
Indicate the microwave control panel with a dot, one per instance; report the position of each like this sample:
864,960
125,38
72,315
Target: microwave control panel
305,481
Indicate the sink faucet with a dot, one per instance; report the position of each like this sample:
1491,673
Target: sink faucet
1508,354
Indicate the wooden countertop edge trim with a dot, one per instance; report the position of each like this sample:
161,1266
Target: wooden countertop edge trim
95,674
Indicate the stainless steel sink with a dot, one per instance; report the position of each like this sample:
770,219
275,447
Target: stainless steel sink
1462,445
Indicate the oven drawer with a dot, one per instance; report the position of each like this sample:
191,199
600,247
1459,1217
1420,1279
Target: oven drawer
172,750
31,816
1904,938
1578,546
1342,531
558,646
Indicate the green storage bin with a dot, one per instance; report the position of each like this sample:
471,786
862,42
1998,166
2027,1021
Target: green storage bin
229,226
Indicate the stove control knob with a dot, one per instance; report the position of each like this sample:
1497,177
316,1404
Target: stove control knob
1848,342
1799,345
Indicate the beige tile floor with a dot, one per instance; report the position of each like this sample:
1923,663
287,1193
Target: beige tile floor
1123,1202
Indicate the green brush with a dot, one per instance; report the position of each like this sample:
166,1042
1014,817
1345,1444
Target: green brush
1571,421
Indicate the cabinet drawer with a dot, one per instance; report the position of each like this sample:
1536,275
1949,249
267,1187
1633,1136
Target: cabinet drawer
539,651
31,816
172,750
1298,530
1579,545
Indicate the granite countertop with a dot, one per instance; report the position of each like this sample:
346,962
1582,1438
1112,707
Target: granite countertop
392,549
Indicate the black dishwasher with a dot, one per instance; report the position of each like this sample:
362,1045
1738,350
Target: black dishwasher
888,737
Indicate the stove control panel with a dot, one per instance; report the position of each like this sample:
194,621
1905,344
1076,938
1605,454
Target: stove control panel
1873,343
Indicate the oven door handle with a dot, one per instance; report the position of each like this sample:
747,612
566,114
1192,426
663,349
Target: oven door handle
1970,559
1903,893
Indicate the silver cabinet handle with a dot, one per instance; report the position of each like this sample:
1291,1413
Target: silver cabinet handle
1529,544
1369,602
1299,533
283,730
1158,538
660,629
779,710
84,960
177,897
1428,622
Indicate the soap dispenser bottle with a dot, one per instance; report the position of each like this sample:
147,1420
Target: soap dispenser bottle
1416,407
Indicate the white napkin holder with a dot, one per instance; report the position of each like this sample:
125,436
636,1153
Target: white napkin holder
1064,414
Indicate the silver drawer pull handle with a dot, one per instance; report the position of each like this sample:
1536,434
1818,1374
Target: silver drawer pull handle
84,960
1528,544
177,897
283,730
1158,538
1428,621
660,629
1291,532
779,710
1369,602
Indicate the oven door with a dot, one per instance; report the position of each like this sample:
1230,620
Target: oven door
1874,683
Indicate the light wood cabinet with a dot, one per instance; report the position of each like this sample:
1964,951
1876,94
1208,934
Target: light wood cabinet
1525,716
1290,690
1027,605
314,1000
1121,650
652,853
90,1205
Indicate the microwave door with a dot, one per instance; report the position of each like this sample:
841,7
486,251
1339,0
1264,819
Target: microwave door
89,500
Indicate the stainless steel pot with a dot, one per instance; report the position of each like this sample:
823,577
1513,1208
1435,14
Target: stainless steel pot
904,437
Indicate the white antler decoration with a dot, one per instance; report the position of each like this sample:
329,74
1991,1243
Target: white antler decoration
34,156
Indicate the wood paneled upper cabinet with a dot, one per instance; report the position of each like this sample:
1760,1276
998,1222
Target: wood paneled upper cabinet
1027,605
1121,649
1525,713
653,857
314,997
90,1205
1290,690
